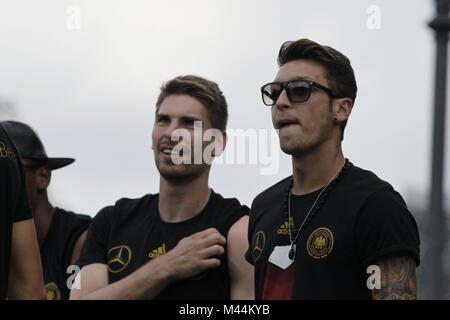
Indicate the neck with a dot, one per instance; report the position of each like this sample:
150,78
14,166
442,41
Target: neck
182,200
43,213
315,170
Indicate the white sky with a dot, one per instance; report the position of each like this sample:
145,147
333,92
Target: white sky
90,92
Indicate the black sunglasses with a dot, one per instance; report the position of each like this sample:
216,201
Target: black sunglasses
296,90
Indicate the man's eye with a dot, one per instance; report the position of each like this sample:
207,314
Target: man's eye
163,120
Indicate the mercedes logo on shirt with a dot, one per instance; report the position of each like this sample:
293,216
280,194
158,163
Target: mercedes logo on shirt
118,258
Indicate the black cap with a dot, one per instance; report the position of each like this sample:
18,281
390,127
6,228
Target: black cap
30,146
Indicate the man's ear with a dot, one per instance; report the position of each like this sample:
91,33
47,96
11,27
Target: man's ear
43,177
342,108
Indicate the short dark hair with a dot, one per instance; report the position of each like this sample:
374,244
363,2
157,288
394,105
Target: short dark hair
206,91
339,71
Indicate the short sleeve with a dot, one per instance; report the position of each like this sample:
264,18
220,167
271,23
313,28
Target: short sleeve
385,226
96,244
248,255
235,211
249,252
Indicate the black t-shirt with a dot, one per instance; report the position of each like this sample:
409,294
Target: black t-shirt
130,233
362,219
14,203
56,251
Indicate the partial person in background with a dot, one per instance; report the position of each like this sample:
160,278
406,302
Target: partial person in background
187,241
60,233
20,267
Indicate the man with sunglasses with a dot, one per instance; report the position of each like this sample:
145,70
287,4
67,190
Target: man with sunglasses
60,233
331,230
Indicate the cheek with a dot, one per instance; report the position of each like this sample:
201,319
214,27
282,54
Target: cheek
197,137
31,183
273,112
154,137
315,117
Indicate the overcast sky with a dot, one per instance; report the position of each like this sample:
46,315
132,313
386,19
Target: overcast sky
86,74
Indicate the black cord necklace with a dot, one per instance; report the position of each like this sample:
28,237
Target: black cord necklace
311,212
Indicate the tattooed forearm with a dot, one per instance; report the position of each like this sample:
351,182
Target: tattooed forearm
398,279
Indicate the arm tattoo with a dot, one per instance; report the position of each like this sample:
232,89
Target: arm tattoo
398,279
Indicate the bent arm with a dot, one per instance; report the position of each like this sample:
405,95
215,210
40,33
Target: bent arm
191,256
144,283
25,277
398,278
241,272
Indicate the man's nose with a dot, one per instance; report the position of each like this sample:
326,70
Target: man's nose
171,129
283,100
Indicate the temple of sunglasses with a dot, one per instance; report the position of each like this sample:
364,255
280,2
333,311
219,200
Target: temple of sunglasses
296,90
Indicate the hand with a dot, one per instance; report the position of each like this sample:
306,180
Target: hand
195,254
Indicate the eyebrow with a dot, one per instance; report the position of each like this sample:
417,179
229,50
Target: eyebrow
297,78
183,118
188,119
161,115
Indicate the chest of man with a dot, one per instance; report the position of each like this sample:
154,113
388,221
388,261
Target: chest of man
137,241
326,262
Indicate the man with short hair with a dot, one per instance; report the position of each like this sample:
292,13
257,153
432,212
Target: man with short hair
20,267
331,230
60,233
187,241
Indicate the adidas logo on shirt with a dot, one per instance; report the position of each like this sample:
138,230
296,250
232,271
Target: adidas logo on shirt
284,228
157,252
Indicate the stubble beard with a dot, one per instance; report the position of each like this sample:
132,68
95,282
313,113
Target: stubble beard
305,144
180,173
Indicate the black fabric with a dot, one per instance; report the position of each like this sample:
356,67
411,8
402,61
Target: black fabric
14,203
134,231
57,248
363,217
30,146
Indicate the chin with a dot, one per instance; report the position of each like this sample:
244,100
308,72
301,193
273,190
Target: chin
296,149
172,171
180,172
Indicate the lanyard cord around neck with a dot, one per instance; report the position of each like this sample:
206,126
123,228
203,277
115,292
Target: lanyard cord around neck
328,187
